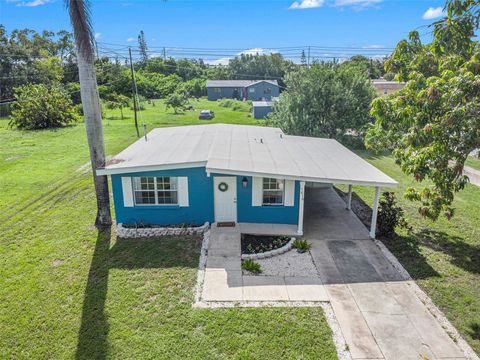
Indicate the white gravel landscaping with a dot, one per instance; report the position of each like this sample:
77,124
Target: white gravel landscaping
290,263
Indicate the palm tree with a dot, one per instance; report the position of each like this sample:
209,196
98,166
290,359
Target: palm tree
82,30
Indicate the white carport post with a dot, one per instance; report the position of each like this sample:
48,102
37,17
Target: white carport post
373,226
301,206
349,199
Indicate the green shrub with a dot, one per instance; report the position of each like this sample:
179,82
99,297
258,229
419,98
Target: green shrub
235,105
301,245
252,266
177,102
39,106
390,215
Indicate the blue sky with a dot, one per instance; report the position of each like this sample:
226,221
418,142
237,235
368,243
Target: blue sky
238,24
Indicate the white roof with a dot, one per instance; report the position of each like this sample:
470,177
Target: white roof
262,103
247,150
237,83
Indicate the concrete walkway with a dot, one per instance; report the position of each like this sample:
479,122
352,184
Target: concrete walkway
377,310
378,313
473,175
225,282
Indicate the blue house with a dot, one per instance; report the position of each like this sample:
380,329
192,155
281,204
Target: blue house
227,173
242,89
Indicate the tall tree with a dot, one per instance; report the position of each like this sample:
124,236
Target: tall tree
82,29
433,124
142,46
324,100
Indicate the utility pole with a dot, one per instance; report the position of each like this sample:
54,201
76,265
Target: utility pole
134,90
308,59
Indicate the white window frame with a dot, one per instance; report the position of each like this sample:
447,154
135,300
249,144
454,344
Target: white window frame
156,189
281,188
251,90
217,90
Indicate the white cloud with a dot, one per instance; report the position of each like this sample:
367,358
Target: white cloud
356,3
221,61
373,46
130,39
258,51
306,4
252,51
98,35
32,3
433,13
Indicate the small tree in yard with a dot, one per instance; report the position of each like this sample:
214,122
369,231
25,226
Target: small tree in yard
176,101
117,101
41,107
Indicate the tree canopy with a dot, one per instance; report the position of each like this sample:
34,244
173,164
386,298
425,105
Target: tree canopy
324,100
41,107
434,123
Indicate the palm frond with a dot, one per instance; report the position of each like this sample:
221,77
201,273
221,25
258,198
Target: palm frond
80,18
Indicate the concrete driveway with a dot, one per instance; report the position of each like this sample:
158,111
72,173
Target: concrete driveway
379,314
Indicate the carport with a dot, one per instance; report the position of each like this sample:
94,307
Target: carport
264,152
323,162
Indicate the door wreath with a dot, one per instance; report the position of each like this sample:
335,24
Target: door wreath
223,187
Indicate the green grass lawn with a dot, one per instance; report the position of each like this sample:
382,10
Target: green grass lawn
473,162
443,256
69,291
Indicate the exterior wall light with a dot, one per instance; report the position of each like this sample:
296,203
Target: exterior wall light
244,182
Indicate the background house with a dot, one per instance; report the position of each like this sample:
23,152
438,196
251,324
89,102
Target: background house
242,89
385,87
260,109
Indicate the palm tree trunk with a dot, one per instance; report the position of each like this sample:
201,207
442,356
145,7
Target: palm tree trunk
93,124
79,11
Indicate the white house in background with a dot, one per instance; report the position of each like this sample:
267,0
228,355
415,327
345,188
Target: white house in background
385,87
230,173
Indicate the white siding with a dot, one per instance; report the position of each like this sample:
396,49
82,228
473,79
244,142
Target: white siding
127,191
289,193
183,191
257,191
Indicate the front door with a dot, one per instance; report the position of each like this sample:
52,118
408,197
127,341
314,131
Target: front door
225,194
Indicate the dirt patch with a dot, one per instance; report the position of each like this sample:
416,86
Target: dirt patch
57,262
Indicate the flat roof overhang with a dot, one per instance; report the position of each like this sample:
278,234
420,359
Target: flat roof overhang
211,170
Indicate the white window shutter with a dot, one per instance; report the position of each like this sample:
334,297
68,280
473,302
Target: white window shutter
182,182
257,191
289,193
127,191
